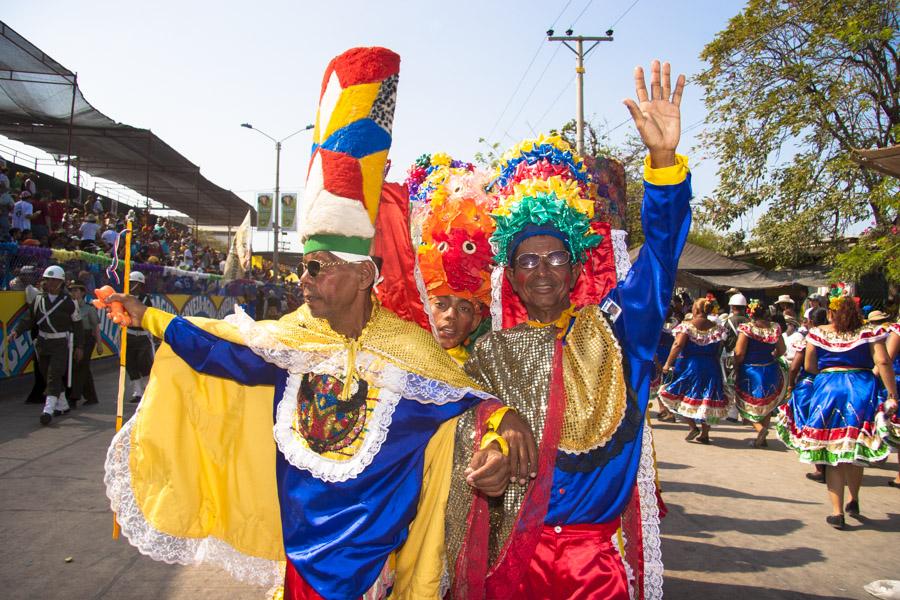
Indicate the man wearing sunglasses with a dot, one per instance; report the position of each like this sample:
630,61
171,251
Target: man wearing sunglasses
580,374
361,398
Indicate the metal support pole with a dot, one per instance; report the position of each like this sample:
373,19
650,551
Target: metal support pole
77,182
580,53
579,101
69,146
276,227
147,188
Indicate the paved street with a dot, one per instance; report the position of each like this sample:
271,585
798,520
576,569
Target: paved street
742,523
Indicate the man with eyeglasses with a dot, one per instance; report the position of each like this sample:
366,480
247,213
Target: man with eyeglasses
579,373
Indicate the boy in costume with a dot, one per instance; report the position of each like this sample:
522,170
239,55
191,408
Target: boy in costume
360,398
451,229
577,364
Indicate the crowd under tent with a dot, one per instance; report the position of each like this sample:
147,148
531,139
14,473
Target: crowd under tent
42,106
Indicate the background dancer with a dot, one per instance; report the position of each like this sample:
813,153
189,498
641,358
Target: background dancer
696,390
760,378
800,382
846,422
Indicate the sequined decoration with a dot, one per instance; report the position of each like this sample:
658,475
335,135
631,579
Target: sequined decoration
514,365
595,384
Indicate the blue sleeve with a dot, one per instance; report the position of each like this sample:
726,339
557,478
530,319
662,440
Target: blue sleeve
212,355
645,293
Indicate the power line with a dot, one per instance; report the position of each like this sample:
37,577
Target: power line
555,100
534,87
583,10
622,16
525,74
740,48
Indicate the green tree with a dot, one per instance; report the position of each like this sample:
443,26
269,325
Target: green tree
793,87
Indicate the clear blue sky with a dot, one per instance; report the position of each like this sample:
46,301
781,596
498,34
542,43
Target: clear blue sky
194,71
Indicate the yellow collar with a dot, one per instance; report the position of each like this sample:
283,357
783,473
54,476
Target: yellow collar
459,354
562,323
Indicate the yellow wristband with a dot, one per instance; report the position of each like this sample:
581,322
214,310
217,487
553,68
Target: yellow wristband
493,436
493,422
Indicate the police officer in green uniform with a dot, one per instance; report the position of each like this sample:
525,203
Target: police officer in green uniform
139,350
57,319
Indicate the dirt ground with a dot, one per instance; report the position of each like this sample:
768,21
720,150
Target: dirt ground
742,522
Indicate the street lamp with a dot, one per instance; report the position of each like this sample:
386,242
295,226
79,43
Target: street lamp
276,227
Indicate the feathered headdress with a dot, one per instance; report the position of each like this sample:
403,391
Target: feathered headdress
543,186
451,221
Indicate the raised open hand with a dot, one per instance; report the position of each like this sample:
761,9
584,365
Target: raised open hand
658,118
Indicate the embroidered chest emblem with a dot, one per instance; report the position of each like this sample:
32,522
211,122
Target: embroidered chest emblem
333,439
328,425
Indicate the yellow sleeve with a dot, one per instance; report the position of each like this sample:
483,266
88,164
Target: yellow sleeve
667,175
156,321
420,561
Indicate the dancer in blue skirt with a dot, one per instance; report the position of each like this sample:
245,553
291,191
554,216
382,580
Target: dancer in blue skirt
696,390
846,421
760,379
666,341
800,382
893,349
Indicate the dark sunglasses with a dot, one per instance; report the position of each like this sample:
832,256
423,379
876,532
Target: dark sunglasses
314,267
530,260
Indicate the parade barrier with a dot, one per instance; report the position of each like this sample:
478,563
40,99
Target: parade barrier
18,355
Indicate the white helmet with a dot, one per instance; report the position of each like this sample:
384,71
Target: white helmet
54,272
737,300
137,276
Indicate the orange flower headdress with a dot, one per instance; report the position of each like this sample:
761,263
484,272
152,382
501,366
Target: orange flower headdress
452,226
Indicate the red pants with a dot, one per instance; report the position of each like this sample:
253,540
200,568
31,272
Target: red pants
574,562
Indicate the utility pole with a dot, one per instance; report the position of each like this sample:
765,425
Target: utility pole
277,225
580,53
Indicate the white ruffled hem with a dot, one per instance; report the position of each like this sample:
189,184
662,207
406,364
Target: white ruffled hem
620,253
297,452
646,480
168,548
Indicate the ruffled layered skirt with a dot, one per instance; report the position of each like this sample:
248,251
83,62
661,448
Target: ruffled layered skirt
759,388
837,419
696,390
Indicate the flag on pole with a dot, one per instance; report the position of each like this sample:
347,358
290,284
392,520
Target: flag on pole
237,263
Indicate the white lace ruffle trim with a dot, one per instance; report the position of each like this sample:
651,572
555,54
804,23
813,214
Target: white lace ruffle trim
298,453
378,373
171,549
646,479
620,253
497,298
